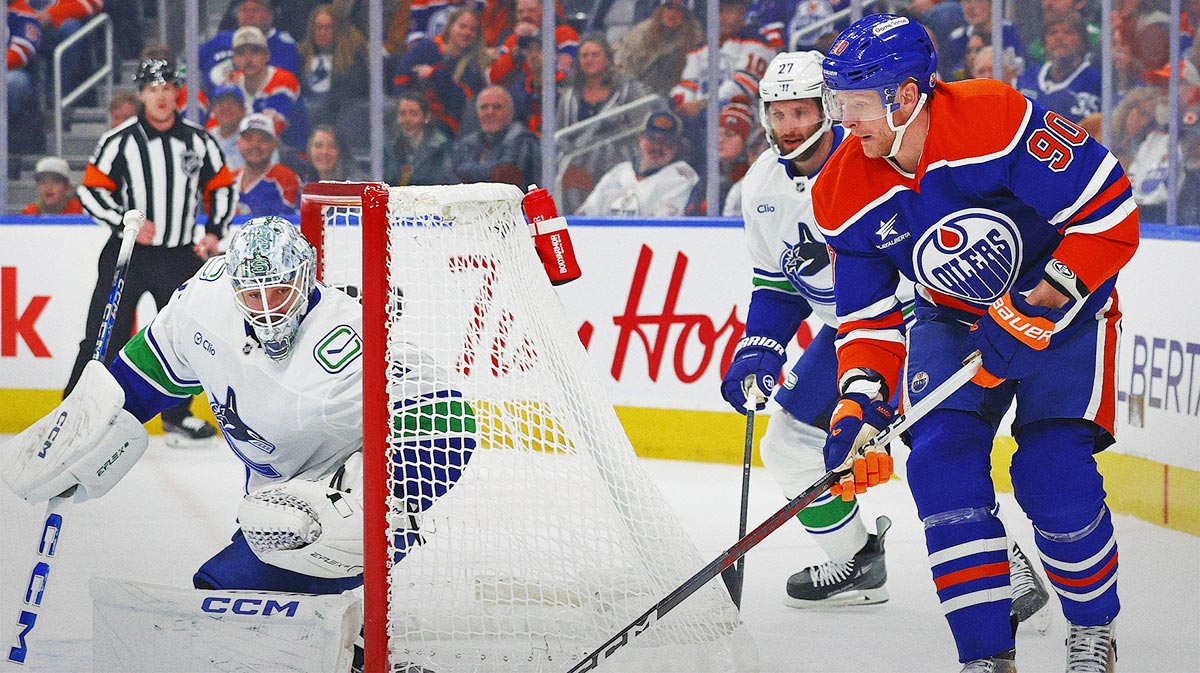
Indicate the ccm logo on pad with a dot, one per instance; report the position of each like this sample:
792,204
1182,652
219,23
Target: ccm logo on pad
249,606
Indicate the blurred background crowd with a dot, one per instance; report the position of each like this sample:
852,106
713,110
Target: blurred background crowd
285,88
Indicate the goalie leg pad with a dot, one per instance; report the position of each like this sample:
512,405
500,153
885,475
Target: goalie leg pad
306,527
89,440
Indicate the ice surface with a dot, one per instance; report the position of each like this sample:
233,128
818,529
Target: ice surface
177,507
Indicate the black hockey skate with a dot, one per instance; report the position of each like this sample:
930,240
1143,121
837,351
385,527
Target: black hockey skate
859,581
1005,662
191,432
1091,649
1029,594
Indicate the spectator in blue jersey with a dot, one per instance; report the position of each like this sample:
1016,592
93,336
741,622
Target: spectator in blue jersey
24,37
264,187
216,55
975,32
59,20
502,150
1067,83
417,153
333,65
269,89
446,70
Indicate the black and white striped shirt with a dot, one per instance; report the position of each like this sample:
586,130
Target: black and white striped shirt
165,174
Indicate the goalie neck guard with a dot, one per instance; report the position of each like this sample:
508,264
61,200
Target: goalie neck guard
273,272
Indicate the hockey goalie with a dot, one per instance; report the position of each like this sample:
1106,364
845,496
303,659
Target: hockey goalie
278,356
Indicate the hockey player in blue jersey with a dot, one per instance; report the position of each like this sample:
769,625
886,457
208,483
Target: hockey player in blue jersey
793,279
275,352
1013,223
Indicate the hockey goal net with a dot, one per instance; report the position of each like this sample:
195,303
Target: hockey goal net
553,538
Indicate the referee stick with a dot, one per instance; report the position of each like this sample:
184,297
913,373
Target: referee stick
58,508
727,558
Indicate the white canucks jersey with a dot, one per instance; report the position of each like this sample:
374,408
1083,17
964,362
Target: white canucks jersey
788,251
663,193
300,417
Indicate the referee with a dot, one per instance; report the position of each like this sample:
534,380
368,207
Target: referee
164,165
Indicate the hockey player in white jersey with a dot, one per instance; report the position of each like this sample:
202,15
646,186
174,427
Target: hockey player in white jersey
658,185
792,280
279,357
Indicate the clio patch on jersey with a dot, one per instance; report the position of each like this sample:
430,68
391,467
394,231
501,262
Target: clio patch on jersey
338,349
973,254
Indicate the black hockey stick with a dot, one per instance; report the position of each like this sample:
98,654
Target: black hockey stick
901,423
735,577
58,507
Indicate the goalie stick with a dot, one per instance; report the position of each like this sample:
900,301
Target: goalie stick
58,508
899,424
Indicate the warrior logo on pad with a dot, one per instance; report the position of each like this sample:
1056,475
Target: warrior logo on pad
973,254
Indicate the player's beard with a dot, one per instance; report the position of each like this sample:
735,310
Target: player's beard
803,156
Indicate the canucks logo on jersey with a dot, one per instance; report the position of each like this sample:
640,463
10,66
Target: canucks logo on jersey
803,260
972,254
237,434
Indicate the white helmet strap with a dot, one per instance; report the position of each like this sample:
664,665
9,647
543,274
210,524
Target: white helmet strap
903,127
804,146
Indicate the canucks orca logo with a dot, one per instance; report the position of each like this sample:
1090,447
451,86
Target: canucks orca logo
973,254
237,432
806,258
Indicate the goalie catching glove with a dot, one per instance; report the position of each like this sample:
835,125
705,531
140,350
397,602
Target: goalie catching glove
856,419
88,441
313,528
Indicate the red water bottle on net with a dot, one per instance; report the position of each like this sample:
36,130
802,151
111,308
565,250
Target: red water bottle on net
550,237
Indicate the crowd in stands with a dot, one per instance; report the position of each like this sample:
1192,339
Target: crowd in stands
463,80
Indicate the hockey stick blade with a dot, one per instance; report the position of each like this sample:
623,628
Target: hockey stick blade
58,508
730,556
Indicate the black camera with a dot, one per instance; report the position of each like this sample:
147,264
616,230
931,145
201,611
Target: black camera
527,41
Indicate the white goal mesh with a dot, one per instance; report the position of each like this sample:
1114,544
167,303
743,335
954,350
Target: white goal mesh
553,539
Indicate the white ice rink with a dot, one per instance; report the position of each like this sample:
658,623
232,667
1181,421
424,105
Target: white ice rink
177,507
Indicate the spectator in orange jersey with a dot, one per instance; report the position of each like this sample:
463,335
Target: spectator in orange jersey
55,195
264,187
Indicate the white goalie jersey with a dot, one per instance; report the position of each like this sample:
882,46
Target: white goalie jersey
300,417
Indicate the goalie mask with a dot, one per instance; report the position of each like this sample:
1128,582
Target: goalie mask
867,65
273,272
792,76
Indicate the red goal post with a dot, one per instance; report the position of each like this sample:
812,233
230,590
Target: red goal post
553,536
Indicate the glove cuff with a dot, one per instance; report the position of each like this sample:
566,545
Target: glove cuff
1063,279
762,342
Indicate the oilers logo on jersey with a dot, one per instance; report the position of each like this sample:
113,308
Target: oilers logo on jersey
972,254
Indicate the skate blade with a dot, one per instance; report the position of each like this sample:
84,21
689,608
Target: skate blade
1039,622
176,441
843,600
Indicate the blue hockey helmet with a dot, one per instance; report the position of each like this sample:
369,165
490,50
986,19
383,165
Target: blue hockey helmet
880,52
273,272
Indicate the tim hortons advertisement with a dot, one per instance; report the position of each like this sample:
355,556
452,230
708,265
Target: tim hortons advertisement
660,308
